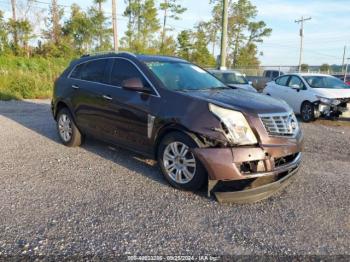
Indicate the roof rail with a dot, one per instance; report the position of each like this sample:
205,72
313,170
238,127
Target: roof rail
107,52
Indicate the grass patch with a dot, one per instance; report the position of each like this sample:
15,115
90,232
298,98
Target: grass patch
24,78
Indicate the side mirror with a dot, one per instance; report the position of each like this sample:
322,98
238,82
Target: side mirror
250,83
134,84
295,87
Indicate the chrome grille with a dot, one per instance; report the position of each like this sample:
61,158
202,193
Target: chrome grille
280,124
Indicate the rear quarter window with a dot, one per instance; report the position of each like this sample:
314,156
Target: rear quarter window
76,73
93,71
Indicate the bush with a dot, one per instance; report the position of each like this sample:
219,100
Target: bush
23,78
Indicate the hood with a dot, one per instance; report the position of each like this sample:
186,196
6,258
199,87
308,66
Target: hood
243,86
241,100
332,93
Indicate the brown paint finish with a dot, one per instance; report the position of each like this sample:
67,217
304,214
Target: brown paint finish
121,115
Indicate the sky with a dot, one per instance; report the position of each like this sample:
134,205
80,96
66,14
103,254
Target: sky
324,36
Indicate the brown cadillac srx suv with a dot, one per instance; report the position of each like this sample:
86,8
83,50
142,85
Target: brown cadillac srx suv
198,129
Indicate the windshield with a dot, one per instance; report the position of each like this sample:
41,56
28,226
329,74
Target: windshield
325,82
231,78
184,76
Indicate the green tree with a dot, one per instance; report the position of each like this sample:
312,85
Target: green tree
169,47
4,46
304,67
243,31
142,26
325,68
79,29
171,9
133,12
23,31
211,31
149,21
53,31
200,53
247,56
184,44
100,20
100,29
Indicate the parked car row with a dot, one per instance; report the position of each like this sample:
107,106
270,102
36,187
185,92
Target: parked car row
200,130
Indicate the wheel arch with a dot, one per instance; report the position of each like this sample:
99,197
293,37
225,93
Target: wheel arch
62,104
307,101
169,128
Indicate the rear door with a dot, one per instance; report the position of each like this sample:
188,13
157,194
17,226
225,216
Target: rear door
278,88
87,81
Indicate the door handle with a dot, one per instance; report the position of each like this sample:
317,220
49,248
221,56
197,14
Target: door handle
75,86
107,97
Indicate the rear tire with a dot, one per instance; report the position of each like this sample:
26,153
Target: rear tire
179,165
307,112
67,129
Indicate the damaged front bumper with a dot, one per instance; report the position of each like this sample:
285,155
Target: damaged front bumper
255,194
249,174
328,110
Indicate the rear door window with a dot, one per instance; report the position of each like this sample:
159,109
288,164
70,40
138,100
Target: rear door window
94,71
282,81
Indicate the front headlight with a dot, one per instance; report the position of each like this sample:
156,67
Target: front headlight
329,101
235,126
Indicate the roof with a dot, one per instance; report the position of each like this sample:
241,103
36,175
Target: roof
141,57
160,58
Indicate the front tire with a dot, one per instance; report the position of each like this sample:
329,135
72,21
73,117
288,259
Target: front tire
67,130
307,112
179,165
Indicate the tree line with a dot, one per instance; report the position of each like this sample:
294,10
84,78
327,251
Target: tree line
76,31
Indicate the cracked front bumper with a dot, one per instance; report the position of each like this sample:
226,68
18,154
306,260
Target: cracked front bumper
258,193
230,184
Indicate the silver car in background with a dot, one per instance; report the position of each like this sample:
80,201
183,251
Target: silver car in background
233,79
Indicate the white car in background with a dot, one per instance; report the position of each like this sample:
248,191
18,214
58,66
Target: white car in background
311,95
233,79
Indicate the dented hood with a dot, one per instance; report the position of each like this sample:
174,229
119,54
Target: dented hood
242,100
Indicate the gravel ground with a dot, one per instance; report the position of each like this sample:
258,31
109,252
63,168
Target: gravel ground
99,200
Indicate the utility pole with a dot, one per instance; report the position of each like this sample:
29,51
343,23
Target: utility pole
55,22
14,18
114,22
301,21
346,69
343,63
224,35
164,23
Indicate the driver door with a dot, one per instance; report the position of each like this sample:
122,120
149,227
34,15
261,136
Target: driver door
126,112
295,96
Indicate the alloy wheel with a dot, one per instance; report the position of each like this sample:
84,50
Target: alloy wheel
65,127
307,112
179,162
